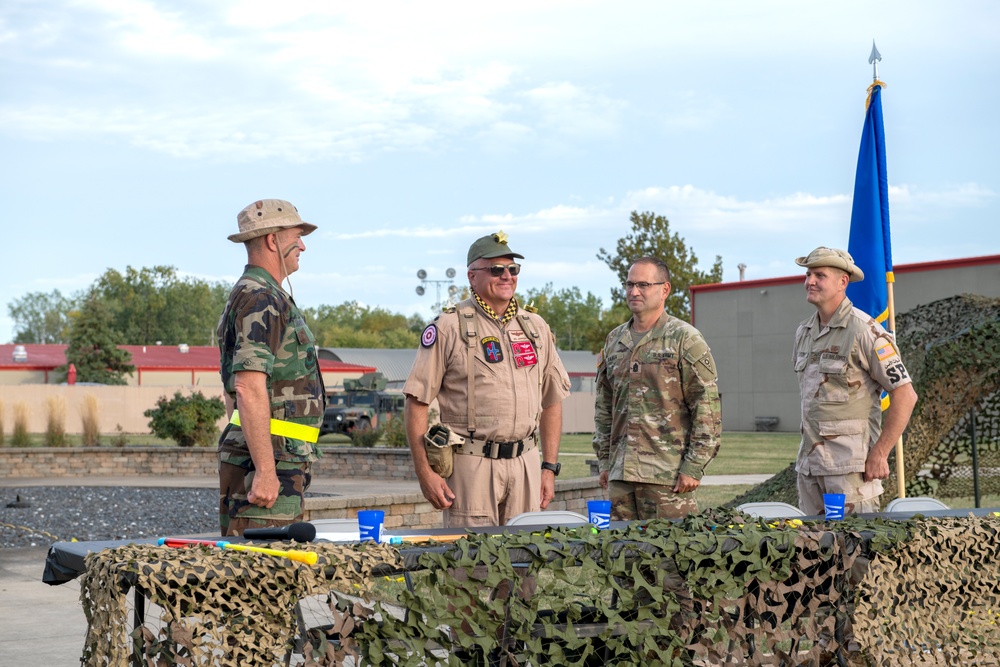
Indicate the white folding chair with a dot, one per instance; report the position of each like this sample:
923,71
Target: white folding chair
770,510
915,504
547,518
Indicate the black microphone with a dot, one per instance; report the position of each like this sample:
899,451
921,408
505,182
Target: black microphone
296,532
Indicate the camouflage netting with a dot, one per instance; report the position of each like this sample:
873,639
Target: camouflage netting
219,606
938,596
709,590
951,348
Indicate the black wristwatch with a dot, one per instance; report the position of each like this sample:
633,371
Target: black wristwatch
554,467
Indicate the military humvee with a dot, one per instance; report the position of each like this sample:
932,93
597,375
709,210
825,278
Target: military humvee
363,404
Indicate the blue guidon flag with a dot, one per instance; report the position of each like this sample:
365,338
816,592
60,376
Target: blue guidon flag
869,243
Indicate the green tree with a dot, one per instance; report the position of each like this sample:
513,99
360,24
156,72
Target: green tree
93,347
153,304
651,236
578,322
352,325
41,317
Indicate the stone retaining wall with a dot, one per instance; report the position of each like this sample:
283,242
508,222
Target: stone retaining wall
406,510
133,461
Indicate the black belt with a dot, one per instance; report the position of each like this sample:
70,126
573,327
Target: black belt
493,449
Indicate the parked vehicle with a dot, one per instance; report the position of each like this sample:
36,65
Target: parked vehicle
362,405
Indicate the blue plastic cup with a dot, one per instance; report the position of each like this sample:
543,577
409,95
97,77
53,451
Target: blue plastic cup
370,524
833,504
599,513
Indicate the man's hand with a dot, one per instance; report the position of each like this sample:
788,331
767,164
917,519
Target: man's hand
876,467
436,490
264,490
685,484
548,488
603,480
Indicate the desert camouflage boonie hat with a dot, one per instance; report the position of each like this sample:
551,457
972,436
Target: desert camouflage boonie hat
490,246
268,215
838,259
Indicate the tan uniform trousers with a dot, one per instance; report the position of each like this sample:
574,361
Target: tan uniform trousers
859,496
489,492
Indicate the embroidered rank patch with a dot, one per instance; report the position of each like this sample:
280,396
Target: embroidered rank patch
885,351
429,336
492,350
524,353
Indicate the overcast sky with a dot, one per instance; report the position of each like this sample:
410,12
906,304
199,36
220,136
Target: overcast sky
132,133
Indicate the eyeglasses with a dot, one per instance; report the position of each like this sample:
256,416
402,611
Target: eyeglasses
642,286
497,269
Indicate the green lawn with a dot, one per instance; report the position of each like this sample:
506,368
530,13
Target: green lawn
740,454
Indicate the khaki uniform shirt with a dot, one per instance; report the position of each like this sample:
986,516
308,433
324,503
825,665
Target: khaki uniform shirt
657,410
842,371
517,372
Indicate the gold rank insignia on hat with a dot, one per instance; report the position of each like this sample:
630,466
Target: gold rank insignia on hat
500,237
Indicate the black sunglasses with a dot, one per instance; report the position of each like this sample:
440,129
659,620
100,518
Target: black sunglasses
497,269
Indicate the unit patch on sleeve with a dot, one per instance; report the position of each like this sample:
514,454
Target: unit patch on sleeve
429,336
491,349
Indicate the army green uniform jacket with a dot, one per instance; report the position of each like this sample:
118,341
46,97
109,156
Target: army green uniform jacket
261,329
657,410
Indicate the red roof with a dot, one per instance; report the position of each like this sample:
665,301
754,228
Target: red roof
146,358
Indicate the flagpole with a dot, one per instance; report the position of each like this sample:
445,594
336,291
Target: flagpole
873,60
900,468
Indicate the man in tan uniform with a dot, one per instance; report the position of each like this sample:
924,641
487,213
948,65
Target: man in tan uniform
844,359
499,383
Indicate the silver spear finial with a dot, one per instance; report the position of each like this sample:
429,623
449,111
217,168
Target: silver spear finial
874,59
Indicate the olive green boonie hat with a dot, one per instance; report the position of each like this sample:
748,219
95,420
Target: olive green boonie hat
838,259
268,215
488,247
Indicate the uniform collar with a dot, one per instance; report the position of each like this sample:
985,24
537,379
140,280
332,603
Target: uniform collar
263,275
839,319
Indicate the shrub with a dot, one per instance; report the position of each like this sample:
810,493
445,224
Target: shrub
91,427
119,439
394,431
20,437
55,422
187,420
367,437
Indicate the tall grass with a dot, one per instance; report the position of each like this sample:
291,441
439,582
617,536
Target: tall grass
55,422
20,437
3,434
89,414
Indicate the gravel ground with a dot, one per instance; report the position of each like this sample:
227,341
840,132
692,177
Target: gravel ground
62,513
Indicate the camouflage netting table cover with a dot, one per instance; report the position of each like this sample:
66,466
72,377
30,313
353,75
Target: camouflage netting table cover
712,589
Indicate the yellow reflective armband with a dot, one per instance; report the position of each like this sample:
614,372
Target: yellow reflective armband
285,429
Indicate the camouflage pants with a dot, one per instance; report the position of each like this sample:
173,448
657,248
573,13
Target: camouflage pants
236,514
633,501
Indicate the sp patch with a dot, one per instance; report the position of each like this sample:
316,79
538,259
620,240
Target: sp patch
491,349
429,336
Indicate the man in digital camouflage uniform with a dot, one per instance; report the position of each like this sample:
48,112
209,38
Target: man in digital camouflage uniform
270,372
657,412
844,359
494,370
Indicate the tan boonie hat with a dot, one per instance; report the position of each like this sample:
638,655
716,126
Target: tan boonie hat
268,215
838,259
488,247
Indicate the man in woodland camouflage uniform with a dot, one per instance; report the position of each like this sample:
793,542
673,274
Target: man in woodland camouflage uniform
658,417
270,371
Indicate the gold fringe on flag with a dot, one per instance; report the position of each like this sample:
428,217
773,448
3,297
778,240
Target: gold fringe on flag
868,100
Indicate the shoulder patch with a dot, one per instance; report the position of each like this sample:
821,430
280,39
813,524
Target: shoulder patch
885,351
429,336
